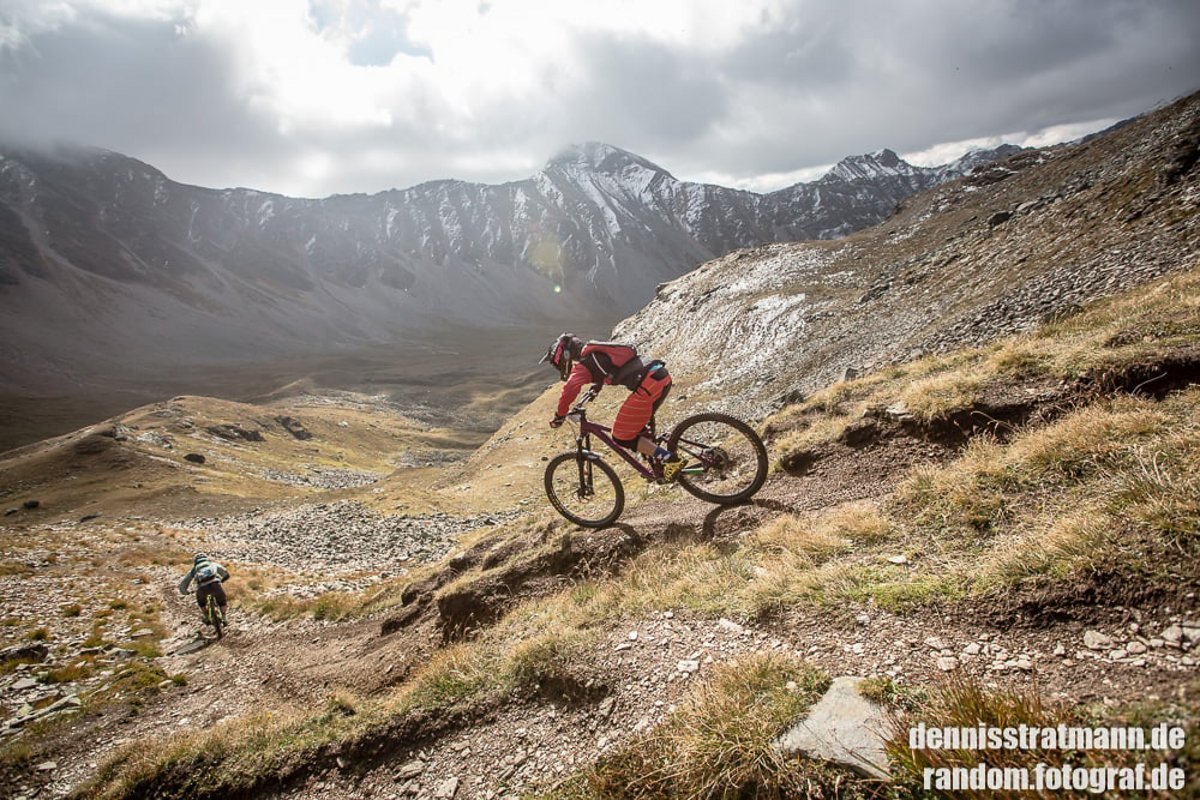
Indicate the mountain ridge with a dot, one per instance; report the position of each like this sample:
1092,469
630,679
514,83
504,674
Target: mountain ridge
101,255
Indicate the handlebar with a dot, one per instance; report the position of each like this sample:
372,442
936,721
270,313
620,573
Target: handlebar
587,397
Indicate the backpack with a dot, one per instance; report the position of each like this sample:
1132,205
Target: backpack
618,353
616,361
206,573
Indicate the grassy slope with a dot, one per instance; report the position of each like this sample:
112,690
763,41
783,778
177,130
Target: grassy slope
94,471
1108,486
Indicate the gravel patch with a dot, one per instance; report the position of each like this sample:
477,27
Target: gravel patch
345,536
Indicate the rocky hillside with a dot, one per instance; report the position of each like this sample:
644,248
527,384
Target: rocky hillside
110,272
997,252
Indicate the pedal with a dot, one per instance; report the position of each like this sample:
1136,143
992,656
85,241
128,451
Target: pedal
671,469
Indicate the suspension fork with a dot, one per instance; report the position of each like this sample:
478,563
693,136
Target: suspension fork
583,445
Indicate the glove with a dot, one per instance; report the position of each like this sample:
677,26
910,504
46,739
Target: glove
557,421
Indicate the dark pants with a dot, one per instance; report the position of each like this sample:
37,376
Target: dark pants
216,590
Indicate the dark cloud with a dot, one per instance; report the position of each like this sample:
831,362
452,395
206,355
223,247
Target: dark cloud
145,88
833,79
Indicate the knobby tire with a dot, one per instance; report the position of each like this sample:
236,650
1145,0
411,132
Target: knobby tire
751,455
568,468
214,616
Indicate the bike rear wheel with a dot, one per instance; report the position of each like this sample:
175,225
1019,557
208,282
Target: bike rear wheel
727,461
586,491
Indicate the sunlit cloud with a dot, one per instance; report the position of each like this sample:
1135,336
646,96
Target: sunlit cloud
946,152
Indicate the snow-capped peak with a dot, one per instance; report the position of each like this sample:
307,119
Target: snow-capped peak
598,157
871,165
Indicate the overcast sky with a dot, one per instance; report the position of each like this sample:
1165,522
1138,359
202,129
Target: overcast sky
313,97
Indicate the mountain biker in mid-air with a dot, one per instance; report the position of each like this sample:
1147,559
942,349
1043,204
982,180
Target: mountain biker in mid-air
208,575
579,363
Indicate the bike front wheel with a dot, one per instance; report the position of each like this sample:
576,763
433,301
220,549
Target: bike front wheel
727,461
586,491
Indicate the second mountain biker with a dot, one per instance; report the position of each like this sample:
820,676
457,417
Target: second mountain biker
579,363
209,576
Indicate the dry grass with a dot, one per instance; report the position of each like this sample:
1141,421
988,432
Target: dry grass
719,743
1137,327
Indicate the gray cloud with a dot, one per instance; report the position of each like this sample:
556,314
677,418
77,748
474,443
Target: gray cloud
643,92
815,81
139,87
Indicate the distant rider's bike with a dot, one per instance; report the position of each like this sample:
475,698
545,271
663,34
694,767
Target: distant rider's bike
726,464
214,616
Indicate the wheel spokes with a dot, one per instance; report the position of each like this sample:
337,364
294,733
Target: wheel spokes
724,461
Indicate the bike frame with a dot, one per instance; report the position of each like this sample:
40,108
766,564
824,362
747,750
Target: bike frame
587,429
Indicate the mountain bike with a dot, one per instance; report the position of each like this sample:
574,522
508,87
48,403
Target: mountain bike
726,464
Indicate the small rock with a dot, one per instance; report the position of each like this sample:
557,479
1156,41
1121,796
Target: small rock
47,766
25,652
410,770
1117,655
29,505
972,649
25,683
730,626
633,635
688,666
446,789
1173,636
863,619
1136,648
898,560
936,643
195,458
1095,640
947,663
1059,650
1024,664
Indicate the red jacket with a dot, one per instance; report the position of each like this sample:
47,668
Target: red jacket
602,363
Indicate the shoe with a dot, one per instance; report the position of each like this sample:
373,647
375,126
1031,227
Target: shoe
671,467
